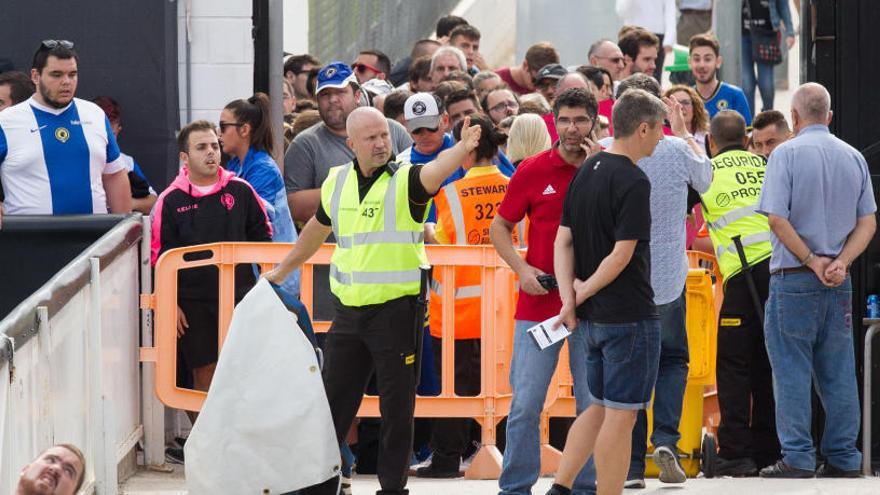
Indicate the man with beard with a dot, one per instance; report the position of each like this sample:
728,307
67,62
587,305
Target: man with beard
314,151
59,470
58,155
769,130
705,60
538,190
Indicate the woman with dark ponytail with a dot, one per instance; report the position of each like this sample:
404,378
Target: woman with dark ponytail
475,199
246,136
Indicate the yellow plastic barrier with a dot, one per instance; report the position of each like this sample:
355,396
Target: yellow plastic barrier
702,344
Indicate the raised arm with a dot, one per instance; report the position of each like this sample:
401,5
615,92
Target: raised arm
434,173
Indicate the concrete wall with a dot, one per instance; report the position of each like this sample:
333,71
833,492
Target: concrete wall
497,22
572,26
296,26
222,55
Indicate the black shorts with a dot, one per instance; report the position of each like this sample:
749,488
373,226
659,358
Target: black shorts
199,344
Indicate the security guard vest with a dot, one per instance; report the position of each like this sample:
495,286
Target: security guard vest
729,209
465,209
379,247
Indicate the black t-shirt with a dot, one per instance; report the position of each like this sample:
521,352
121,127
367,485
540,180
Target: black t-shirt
418,196
609,201
756,14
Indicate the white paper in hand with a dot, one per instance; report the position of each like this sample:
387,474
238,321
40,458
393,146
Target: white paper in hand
545,335
266,424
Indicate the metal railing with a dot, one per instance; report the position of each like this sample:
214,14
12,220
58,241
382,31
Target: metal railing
69,370
873,330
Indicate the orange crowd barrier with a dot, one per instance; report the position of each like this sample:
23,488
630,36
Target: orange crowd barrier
498,302
488,408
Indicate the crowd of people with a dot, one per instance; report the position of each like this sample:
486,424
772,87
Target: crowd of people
603,176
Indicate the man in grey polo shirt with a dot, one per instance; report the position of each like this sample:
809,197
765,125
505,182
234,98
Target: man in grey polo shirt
323,146
316,150
677,162
820,205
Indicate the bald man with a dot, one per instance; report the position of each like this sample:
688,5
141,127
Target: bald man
606,54
819,201
59,470
375,278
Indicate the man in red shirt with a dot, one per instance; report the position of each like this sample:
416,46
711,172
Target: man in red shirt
522,79
537,189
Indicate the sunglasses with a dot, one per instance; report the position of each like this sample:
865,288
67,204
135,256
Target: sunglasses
50,44
361,68
224,125
421,130
614,60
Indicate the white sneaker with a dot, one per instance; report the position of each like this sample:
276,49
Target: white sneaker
670,467
635,483
345,486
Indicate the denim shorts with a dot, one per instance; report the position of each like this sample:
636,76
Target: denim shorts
622,361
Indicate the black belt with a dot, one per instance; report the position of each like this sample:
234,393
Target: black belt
796,269
695,11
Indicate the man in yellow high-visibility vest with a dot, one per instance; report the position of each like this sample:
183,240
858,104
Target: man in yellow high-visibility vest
376,208
747,433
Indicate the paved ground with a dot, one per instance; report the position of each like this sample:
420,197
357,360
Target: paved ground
153,483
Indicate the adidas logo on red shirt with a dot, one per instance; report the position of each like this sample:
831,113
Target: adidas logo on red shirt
549,190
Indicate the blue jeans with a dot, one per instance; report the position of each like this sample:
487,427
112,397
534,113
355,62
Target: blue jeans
765,81
808,330
530,372
622,362
669,390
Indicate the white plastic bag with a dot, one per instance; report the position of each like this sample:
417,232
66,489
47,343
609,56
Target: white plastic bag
266,423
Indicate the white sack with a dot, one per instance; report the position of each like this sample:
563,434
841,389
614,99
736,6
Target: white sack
266,423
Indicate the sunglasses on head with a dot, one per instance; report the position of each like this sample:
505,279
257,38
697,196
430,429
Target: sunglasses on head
361,67
50,44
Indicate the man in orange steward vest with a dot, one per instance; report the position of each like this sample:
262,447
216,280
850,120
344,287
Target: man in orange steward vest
465,209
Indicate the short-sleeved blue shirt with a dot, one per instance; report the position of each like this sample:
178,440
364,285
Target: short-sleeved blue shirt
728,97
822,186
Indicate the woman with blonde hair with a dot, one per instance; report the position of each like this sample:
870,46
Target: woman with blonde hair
695,116
528,136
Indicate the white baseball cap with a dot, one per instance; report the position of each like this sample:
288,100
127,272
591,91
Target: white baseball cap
421,110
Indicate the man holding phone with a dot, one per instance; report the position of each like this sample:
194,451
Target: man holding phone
538,189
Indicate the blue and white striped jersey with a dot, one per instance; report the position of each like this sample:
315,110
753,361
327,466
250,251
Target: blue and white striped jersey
52,159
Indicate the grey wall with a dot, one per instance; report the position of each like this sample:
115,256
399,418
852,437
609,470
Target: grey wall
571,25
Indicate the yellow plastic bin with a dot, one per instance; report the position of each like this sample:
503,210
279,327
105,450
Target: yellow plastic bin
702,344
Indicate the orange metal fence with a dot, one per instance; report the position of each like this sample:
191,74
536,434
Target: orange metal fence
498,303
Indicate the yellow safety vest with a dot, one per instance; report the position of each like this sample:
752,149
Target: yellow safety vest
379,247
729,209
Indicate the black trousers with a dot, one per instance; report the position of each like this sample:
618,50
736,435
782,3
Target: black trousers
745,383
450,437
362,340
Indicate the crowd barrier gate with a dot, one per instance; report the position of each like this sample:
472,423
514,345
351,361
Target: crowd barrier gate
498,289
